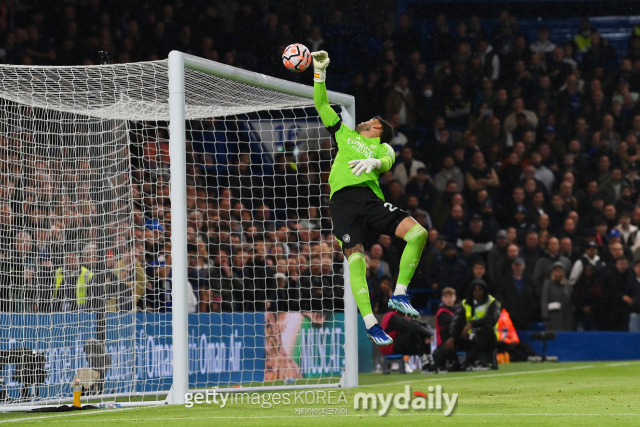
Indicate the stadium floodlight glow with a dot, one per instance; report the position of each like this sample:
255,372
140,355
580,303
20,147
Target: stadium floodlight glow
96,175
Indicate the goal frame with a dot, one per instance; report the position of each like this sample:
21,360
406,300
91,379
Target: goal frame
177,64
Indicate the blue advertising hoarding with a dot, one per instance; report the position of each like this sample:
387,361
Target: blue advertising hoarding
226,348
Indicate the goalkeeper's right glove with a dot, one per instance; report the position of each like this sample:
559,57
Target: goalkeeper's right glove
320,64
364,165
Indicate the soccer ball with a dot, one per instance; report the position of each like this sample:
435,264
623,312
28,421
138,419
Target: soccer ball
296,57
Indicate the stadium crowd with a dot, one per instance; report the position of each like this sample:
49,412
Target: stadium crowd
519,156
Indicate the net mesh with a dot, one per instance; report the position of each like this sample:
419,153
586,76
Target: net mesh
85,223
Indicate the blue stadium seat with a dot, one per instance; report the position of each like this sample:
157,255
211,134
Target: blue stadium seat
393,363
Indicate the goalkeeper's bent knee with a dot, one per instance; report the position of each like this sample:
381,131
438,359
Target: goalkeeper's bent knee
416,238
416,235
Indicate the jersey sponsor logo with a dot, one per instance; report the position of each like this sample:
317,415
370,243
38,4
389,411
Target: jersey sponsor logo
362,291
361,148
390,207
346,238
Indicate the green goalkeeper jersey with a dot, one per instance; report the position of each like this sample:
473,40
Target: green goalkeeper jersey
351,146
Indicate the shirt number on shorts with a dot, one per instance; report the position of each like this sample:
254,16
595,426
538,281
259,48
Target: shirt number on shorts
390,206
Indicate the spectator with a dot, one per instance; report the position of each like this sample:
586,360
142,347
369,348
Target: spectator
590,257
481,176
510,122
617,308
453,228
385,292
632,298
557,309
473,325
457,108
629,235
543,45
408,169
444,316
519,296
410,337
482,241
396,196
449,173
450,272
542,173
73,285
401,101
377,253
582,40
496,257
588,299
489,58
545,265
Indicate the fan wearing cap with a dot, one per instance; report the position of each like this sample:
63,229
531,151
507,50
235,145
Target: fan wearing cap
474,326
589,257
557,309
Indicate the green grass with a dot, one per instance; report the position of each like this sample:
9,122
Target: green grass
519,394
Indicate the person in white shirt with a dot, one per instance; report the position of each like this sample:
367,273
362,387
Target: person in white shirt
629,234
542,173
542,45
408,168
590,256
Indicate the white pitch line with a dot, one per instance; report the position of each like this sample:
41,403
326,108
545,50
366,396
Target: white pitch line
442,378
415,414
439,378
73,414
623,363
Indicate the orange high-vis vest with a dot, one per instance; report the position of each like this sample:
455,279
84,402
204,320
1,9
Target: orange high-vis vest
506,332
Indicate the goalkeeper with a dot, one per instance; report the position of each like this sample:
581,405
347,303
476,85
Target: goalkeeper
357,204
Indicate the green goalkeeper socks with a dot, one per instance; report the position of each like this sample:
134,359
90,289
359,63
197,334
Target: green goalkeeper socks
358,280
416,238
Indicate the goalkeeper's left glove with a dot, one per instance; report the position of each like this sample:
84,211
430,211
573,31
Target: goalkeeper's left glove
320,64
364,165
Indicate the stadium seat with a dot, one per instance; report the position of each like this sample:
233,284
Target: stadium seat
393,363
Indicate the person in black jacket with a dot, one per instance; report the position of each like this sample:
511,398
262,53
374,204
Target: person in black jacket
444,316
473,328
410,337
616,279
632,298
518,296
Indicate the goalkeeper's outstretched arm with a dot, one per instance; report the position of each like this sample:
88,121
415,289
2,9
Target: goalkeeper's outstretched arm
321,100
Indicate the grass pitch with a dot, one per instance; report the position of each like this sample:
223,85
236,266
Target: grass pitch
519,394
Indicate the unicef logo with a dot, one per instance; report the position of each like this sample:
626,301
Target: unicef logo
346,238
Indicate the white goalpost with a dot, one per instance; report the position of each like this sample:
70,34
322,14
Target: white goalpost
164,229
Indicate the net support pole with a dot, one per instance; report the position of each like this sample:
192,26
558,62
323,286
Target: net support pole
177,154
350,378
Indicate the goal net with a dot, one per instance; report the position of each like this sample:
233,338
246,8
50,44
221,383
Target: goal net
131,283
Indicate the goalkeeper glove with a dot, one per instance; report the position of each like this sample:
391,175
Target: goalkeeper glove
320,64
364,165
